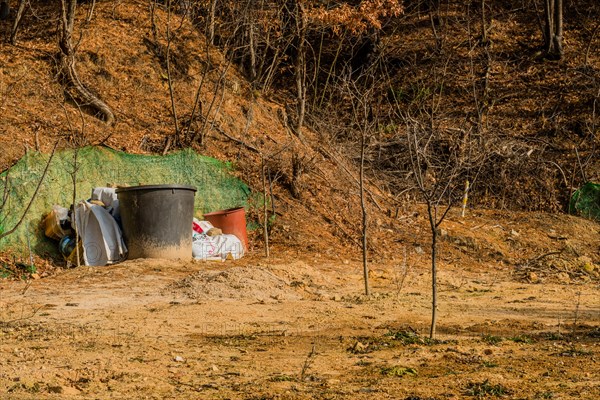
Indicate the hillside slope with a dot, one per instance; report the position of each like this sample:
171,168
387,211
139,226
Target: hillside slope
120,61
311,180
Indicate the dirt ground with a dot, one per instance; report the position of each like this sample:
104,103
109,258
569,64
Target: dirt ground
519,317
297,326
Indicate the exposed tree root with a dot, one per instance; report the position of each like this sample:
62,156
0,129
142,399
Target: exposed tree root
79,92
76,89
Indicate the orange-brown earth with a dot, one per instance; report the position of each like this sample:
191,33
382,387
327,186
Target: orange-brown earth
519,311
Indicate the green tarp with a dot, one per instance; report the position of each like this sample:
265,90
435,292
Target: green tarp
101,166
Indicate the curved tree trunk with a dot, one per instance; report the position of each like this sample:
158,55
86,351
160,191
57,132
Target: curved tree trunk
15,28
67,65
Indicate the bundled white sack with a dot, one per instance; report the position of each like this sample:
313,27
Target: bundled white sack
217,247
100,235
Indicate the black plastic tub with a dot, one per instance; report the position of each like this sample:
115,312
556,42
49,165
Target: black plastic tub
157,220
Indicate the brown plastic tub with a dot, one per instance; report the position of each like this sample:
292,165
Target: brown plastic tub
231,221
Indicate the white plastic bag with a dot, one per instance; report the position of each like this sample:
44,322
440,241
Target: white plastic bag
217,247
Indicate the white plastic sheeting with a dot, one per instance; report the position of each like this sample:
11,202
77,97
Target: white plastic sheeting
100,234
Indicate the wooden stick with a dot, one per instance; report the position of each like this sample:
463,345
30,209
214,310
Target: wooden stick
465,198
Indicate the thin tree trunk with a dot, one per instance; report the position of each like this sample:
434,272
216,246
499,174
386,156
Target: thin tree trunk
300,68
553,29
484,37
435,20
433,226
548,27
91,11
197,103
251,44
364,214
169,74
74,178
330,73
301,86
15,28
433,286
558,29
266,216
218,86
211,22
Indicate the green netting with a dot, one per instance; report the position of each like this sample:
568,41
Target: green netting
586,201
100,166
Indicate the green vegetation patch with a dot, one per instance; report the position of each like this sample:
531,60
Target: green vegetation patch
398,371
485,388
491,339
282,378
575,352
409,337
525,339
586,201
364,345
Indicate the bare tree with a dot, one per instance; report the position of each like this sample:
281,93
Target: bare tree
363,209
439,161
437,178
361,99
